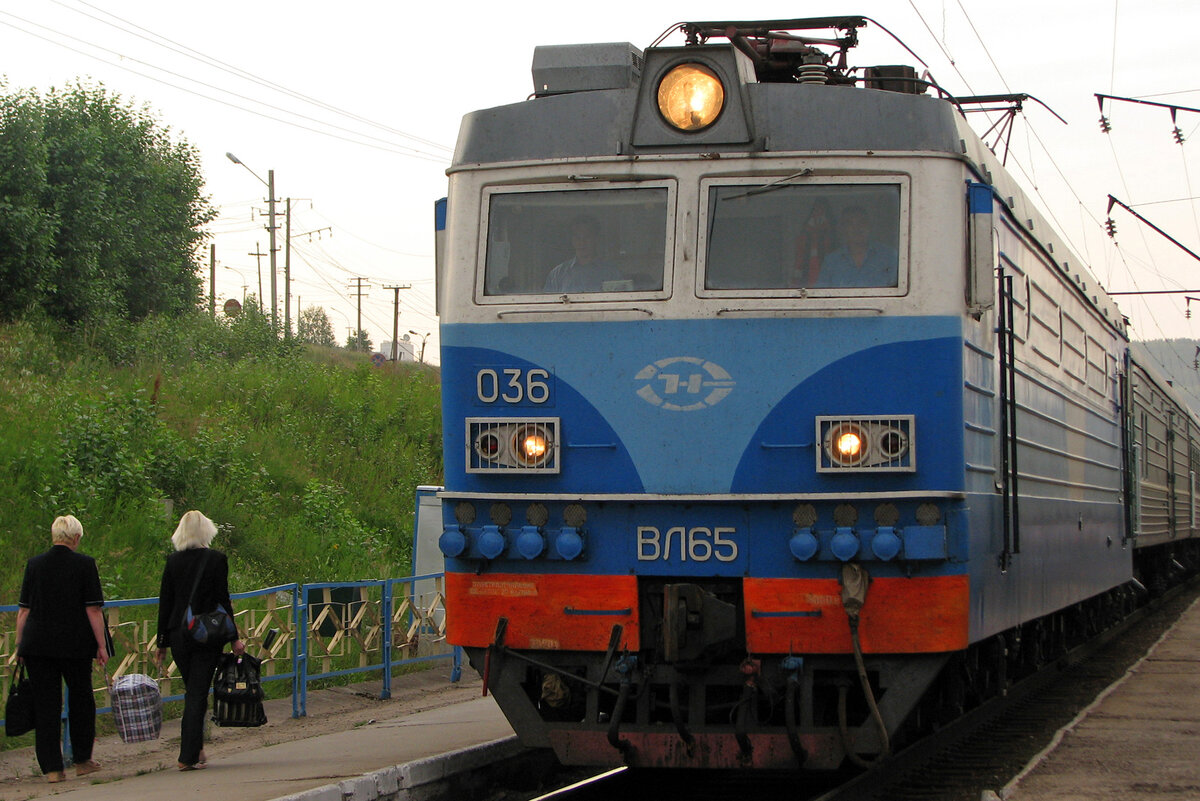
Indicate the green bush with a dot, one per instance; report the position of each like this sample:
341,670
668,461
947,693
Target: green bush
307,463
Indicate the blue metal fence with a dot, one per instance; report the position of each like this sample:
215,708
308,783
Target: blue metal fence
351,628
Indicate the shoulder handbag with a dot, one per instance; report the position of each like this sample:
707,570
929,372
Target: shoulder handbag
208,628
18,709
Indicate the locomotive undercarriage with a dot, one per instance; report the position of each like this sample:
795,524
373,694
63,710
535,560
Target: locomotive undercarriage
693,697
729,714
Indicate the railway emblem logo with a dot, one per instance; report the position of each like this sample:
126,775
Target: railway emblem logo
684,383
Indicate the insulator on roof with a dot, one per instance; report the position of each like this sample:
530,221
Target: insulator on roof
813,73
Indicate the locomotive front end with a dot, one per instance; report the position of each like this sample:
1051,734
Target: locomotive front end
703,317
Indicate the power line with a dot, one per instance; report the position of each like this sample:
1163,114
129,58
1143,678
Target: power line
196,55
363,239
983,44
379,144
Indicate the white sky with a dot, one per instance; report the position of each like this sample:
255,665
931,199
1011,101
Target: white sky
396,78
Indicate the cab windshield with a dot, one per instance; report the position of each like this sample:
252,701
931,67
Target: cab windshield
781,236
576,241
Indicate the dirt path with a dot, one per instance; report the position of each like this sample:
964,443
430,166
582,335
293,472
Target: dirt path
332,710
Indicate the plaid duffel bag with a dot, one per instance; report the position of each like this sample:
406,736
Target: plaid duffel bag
137,707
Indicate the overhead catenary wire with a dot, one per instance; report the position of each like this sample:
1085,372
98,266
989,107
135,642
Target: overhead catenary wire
372,243
1086,214
418,301
1153,321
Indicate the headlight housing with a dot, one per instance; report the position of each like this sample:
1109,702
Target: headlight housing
690,97
507,445
866,444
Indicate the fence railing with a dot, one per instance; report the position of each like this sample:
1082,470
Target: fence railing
326,630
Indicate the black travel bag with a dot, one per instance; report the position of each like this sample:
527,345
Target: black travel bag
237,692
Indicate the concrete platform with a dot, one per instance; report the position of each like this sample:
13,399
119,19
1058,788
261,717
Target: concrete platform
351,746
1140,740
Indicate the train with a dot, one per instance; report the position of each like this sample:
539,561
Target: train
779,425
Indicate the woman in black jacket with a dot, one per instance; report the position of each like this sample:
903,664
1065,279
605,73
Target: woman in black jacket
60,630
193,565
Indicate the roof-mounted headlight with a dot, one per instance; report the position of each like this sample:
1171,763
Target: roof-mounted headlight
690,97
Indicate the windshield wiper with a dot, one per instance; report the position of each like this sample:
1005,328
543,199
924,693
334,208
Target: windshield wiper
772,186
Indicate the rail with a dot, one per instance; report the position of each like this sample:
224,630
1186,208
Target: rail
326,630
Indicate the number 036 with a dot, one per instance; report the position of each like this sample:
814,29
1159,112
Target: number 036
513,385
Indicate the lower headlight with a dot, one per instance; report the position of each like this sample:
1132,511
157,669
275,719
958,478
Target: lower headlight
523,444
867,443
847,444
531,444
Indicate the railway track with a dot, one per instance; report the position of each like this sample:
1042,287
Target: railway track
980,751
984,749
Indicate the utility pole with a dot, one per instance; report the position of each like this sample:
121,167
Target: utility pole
271,225
212,281
287,273
270,182
396,318
258,254
360,295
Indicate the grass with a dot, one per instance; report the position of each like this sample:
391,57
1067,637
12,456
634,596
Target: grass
306,458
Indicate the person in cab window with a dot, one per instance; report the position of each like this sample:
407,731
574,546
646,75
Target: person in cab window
813,244
860,261
585,271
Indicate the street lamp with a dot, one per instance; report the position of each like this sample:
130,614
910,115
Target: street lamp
241,275
423,338
346,317
270,184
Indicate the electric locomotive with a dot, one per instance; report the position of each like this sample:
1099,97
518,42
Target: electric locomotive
778,424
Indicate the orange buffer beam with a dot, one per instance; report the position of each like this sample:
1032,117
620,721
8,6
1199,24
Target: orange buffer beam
545,612
901,615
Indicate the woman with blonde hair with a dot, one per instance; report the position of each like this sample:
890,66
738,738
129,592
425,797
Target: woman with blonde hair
60,629
196,576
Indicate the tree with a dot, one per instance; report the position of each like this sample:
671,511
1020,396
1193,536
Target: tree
101,212
27,228
360,342
313,327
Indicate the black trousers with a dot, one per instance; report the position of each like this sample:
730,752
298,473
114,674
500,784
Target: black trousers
197,666
48,673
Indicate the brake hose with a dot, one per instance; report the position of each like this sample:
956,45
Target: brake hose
855,581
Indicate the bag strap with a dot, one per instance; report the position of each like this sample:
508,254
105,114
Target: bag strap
199,574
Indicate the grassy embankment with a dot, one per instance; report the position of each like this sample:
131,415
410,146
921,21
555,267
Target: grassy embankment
307,458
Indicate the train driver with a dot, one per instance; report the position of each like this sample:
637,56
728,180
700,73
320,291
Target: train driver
585,271
860,260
